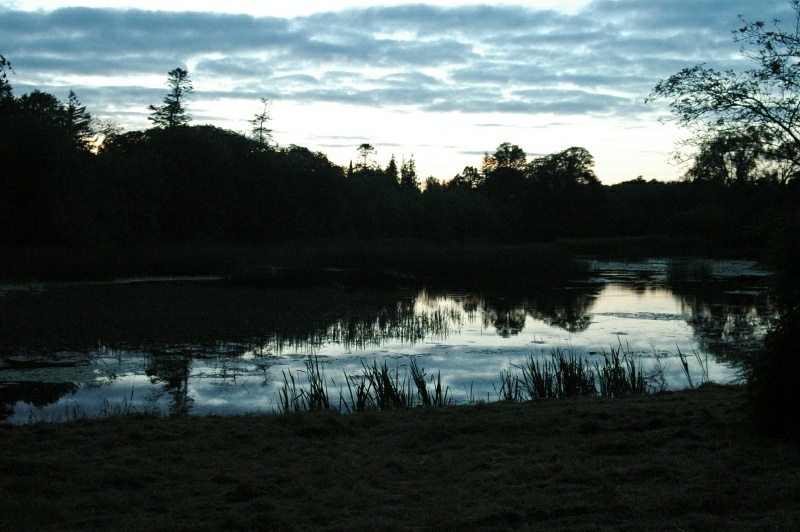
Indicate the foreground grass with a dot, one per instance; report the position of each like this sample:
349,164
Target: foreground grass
685,461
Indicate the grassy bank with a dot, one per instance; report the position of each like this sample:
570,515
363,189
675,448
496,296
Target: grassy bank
687,461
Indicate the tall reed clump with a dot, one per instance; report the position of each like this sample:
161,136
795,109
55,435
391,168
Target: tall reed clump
567,375
313,398
619,375
377,387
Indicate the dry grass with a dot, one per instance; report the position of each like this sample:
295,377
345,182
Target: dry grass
682,461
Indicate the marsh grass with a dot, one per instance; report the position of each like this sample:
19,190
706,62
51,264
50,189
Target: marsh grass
313,398
378,387
702,364
566,375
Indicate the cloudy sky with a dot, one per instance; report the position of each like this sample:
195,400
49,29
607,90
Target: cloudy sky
442,81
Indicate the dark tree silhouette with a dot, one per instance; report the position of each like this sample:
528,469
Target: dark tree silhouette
509,156
727,159
365,152
763,99
259,131
564,169
173,113
6,94
409,180
77,121
392,171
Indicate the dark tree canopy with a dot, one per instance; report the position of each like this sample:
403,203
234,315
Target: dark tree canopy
173,112
563,169
763,100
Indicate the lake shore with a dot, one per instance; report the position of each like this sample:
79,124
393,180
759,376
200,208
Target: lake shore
469,259
689,460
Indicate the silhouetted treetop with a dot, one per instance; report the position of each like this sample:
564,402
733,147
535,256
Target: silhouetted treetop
563,169
365,153
259,131
173,112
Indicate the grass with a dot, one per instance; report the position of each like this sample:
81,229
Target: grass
377,388
564,375
688,460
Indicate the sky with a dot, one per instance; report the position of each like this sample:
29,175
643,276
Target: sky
441,82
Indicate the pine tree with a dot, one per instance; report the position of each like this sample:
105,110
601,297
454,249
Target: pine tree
409,180
77,121
173,113
260,133
392,172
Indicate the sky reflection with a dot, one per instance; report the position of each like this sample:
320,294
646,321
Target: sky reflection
469,338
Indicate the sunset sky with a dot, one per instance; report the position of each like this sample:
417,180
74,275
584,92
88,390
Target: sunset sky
442,81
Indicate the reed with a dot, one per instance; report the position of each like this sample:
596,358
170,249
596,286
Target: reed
619,375
702,363
564,374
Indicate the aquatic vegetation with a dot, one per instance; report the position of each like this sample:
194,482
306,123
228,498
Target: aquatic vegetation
378,387
567,375
702,362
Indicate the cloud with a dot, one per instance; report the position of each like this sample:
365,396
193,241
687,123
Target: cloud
604,59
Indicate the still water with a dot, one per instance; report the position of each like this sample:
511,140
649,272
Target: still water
201,347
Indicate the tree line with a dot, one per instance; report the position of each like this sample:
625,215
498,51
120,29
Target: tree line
69,178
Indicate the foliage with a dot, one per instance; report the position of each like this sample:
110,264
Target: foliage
727,159
173,112
761,101
180,184
259,132
409,180
564,169
6,93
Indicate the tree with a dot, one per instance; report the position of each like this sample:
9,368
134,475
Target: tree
409,180
365,152
564,169
727,159
44,107
77,121
392,171
173,113
6,94
469,177
510,156
763,99
259,132
507,155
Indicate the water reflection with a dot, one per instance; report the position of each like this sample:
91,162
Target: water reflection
211,348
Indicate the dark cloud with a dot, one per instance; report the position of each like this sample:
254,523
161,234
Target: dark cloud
504,59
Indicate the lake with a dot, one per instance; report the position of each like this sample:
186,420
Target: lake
206,346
